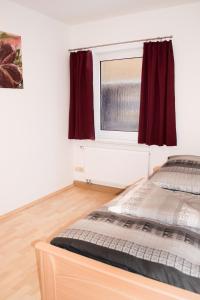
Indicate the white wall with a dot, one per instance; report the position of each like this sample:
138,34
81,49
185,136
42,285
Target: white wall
183,22
35,156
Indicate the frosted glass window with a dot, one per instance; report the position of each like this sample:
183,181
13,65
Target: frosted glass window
120,94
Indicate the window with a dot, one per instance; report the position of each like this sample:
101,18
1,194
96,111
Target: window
120,94
117,82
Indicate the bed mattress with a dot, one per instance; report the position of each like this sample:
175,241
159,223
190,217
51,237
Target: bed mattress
165,252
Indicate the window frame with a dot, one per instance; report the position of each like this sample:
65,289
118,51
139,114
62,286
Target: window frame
102,55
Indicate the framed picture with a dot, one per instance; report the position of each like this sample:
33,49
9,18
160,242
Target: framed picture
11,75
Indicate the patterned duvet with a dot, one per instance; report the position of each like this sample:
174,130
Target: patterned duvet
163,251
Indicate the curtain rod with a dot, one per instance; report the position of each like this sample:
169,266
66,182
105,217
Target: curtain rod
121,43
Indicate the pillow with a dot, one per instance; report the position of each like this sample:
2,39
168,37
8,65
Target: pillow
163,206
179,173
185,157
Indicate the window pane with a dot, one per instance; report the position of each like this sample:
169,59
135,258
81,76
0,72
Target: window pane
120,94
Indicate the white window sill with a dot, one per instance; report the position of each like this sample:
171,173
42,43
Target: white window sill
112,144
116,141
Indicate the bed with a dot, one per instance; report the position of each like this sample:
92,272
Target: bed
145,244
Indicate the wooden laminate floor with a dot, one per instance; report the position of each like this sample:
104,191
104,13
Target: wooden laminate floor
18,274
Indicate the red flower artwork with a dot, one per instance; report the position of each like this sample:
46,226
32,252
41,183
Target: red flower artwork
10,61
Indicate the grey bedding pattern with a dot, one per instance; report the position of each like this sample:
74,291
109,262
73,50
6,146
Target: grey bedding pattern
147,230
181,173
154,203
147,240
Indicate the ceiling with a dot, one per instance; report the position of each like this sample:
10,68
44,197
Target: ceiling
80,11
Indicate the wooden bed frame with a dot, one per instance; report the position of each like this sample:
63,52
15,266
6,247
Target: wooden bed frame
65,275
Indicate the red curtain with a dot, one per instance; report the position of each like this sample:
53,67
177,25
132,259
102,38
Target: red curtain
81,113
157,121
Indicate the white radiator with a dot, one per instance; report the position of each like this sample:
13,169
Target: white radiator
114,167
